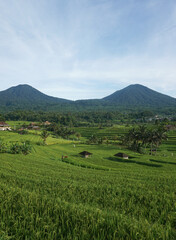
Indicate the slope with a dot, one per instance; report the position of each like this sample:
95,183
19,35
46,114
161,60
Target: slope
138,95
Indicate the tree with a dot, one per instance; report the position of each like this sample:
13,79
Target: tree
115,138
156,136
93,139
44,136
78,135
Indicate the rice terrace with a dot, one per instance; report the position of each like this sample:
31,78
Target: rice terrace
87,120
53,192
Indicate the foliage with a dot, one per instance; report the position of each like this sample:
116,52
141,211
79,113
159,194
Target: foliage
94,139
22,132
78,135
44,136
139,138
64,132
15,148
26,147
23,147
3,147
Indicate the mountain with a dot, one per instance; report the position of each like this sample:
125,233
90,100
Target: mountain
25,97
139,96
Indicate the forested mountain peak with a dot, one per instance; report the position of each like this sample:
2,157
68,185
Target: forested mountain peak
26,92
139,95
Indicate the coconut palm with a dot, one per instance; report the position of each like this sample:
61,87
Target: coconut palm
44,136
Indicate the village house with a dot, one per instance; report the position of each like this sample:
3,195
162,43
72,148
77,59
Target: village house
122,155
4,127
36,128
33,126
46,123
85,154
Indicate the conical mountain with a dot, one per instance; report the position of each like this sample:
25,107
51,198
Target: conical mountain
24,96
139,95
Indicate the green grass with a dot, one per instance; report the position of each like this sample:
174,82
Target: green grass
102,197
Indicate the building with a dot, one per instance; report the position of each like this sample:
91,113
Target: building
85,154
4,127
36,128
3,124
33,126
121,155
46,123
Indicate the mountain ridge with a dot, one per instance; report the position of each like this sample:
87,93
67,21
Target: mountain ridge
25,97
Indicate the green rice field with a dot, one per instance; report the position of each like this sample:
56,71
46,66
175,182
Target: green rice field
45,197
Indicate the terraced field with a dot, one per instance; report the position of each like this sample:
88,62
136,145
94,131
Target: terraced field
45,197
109,132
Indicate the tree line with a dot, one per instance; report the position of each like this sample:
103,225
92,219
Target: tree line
87,118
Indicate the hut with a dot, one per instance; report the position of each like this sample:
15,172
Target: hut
122,155
85,154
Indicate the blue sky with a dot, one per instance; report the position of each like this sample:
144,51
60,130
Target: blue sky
78,49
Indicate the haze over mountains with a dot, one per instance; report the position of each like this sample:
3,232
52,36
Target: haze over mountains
25,97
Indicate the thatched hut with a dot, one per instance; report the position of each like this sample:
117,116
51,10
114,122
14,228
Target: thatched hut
121,155
85,154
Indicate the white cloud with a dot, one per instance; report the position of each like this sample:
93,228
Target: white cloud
58,46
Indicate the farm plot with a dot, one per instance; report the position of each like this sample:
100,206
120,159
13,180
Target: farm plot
102,197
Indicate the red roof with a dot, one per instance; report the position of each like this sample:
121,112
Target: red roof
3,124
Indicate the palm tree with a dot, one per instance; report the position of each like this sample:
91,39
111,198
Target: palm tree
156,137
44,136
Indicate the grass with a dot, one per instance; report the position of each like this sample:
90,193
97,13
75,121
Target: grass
102,197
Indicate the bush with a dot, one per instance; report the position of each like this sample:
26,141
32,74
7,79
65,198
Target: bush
22,132
24,148
15,148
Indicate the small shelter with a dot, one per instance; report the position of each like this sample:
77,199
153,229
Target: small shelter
122,155
85,154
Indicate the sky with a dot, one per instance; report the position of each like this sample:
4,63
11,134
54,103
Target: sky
84,49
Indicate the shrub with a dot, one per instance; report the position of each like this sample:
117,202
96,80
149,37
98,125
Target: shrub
15,148
24,148
22,132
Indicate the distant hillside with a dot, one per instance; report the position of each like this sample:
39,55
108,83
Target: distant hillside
138,95
25,97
